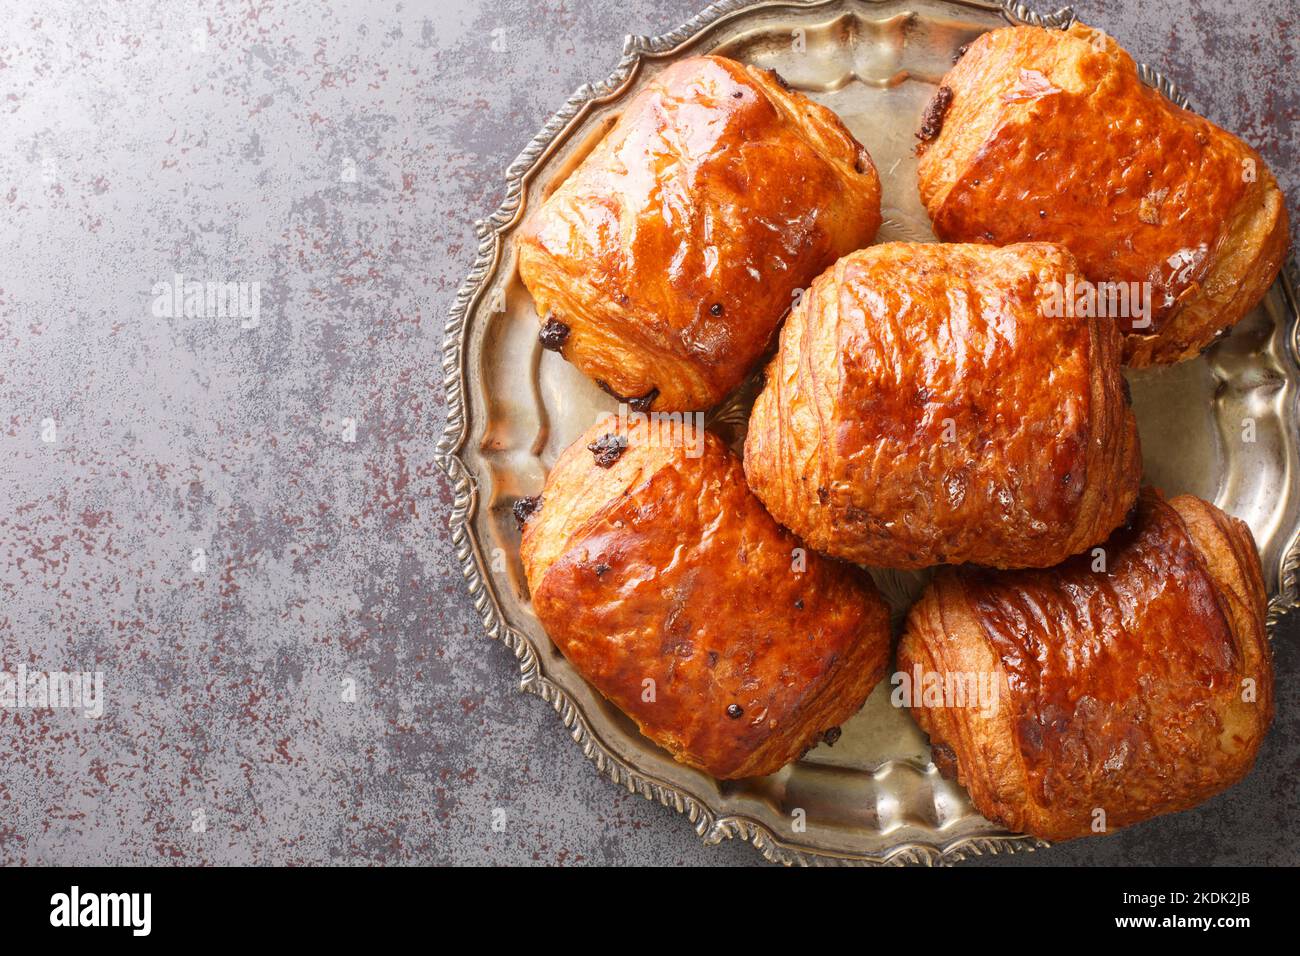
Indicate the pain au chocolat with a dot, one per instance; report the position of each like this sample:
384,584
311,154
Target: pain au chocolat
668,587
1134,682
1050,135
926,406
662,266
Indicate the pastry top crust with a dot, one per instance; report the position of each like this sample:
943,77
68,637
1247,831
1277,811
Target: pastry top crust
1138,690
673,250
925,408
664,568
1051,136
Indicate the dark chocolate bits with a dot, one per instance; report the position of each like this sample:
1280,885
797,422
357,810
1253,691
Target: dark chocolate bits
641,404
735,711
525,508
716,309
553,335
935,111
831,736
608,449
961,52
945,760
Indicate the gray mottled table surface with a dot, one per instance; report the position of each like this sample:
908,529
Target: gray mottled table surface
238,520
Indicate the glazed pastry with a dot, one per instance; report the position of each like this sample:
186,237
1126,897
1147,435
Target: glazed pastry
663,265
1050,135
1127,689
922,410
666,584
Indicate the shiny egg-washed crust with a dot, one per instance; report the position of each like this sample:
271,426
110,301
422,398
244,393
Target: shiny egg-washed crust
1125,691
1051,136
663,567
923,409
673,251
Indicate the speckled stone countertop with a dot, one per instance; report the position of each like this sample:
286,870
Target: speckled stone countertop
238,520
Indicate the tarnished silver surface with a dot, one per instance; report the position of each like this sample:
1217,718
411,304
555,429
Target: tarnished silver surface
876,797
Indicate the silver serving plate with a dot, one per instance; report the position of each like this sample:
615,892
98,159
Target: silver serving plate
511,408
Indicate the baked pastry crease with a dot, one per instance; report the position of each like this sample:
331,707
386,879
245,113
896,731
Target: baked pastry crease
922,409
664,263
1051,136
1128,689
665,583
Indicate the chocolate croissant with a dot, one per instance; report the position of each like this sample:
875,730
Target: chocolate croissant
924,407
666,584
1050,135
663,264
1128,683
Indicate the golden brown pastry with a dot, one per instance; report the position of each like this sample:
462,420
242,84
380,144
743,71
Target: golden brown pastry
1050,135
666,584
922,410
662,266
1126,692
